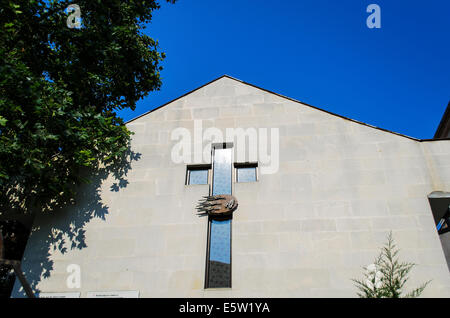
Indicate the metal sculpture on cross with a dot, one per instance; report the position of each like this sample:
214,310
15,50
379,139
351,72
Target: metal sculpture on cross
217,205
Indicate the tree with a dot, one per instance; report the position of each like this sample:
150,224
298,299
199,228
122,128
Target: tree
60,88
15,238
386,277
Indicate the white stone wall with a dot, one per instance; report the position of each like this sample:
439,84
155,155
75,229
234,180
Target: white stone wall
304,231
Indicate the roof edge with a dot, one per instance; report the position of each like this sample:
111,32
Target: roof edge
445,118
293,100
179,97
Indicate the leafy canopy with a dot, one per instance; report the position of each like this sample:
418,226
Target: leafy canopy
60,88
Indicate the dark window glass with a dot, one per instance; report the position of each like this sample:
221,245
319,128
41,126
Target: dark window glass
219,265
198,176
247,174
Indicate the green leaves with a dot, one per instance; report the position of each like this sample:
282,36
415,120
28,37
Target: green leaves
60,89
3,121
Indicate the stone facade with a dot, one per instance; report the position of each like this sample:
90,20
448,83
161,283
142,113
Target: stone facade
304,231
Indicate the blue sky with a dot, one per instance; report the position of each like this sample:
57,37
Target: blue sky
317,51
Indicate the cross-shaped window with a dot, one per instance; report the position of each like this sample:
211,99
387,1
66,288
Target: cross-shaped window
218,263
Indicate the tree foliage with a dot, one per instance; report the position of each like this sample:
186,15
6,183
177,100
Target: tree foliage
60,89
387,276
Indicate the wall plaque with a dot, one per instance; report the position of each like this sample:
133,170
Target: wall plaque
59,295
114,294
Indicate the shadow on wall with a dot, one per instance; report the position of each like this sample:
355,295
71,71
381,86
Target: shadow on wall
63,228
